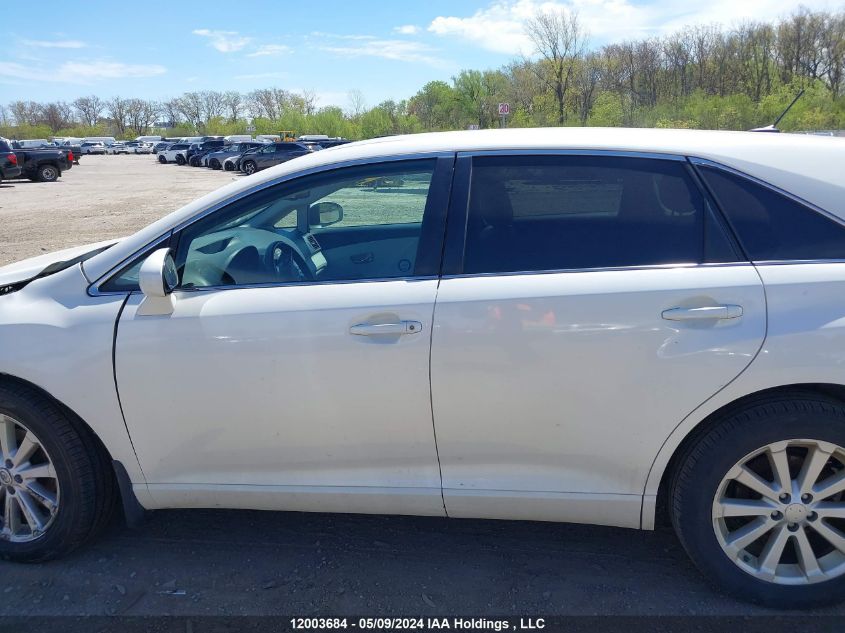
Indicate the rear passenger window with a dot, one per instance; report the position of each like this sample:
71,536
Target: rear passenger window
536,213
771,226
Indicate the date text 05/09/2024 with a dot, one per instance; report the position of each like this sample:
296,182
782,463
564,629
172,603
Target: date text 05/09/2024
418,624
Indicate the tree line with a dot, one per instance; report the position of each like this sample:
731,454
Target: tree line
704,76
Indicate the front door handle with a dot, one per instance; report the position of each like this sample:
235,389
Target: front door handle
704,313
386,329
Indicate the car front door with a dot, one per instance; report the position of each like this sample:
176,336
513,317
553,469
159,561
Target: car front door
589,303
287,376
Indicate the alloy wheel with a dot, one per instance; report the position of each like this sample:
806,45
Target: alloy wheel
29,488
779,513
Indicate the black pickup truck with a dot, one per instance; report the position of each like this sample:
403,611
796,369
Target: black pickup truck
9,167
44,164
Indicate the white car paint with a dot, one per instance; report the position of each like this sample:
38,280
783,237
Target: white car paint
170,154
566,406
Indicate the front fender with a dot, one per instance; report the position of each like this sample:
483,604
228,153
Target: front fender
56,337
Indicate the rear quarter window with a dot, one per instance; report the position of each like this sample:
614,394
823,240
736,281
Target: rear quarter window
771,226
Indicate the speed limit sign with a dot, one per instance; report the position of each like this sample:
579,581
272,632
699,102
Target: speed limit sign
504,109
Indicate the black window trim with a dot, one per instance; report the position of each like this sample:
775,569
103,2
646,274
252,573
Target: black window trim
458,216
704,162
443,169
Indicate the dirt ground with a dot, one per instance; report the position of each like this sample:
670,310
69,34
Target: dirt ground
235,562
101,198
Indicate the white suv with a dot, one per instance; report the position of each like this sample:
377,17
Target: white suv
176,153
621,327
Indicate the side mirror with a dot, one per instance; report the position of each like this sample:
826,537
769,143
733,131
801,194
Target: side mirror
324,214
158,277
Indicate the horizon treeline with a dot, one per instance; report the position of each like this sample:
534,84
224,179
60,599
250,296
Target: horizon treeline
705,76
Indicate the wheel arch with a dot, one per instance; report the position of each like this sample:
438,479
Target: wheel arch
132,508
655,511
79,424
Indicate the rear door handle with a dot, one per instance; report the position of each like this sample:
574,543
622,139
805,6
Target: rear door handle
700,314
386,329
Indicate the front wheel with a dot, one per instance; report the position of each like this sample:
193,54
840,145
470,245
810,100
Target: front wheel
55,487
162,159
759,501
249,168
180,160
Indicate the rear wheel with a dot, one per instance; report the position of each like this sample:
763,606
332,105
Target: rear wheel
759,501
55,487
48,173
180,160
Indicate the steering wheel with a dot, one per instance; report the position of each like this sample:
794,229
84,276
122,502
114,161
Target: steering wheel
286,264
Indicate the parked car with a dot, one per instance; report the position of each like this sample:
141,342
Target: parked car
211,144
105,140
216,158
274,154
160,146
93,147
620,327
233,163
74,146
43,164
118,147
174,154
9,167
143,148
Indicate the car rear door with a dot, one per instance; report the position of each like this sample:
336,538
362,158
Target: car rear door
588,304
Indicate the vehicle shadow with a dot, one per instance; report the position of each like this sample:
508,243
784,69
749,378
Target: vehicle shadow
245,562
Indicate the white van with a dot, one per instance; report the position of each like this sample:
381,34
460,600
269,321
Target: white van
32,143
237,138
105,140
148,139
67,140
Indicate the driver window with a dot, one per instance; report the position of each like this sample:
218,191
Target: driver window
357,223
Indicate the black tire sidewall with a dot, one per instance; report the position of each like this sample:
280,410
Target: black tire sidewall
715,454
76,508
48,173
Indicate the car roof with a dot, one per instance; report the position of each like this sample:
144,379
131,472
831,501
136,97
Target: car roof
804,165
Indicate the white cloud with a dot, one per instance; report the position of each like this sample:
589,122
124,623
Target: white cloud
336,36
224,41
407,29
55,43
500,26
270,75
267,50
399,50
80,72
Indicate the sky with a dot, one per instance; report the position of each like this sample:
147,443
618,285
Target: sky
384,48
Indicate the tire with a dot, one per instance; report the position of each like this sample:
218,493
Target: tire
162,159
83,486
214,163
180,160
249,167
229,166
706,493
48,173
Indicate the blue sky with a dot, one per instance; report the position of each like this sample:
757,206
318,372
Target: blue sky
385,48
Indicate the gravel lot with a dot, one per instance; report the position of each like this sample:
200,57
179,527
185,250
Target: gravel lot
233,563
101,198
